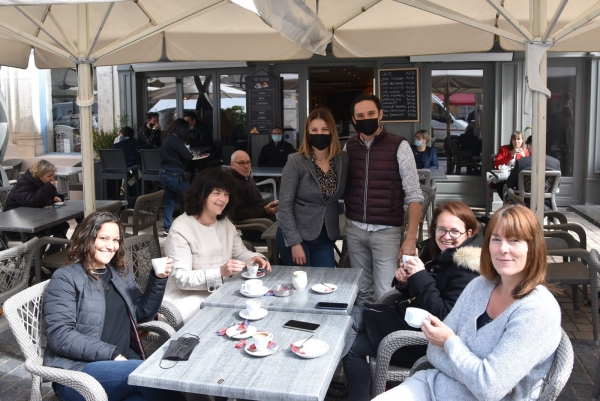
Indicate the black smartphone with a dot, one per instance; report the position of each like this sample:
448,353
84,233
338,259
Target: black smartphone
303,326
332,305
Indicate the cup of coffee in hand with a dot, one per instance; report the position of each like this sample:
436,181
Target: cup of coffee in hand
159,265
261,340
415,317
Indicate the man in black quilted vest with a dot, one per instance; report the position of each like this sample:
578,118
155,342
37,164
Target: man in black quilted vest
382,178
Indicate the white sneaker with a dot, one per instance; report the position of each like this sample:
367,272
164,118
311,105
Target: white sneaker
164,234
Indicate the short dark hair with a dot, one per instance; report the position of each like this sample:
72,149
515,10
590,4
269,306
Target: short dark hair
276,128
190,114
207,181
150,115
127,132
362,98
82,249
529,140
181,129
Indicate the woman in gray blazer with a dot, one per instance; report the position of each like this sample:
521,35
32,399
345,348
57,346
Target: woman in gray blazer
313,181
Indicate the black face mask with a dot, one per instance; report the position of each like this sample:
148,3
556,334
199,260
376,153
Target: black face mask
367,126
319,141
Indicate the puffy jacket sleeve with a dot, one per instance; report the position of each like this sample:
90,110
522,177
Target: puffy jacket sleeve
60,320
147,303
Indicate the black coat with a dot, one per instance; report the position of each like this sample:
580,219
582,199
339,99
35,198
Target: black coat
30,191
130,147
248,202
272,155
74,315
435,289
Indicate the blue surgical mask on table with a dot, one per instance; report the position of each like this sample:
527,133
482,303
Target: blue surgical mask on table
277,137
418,144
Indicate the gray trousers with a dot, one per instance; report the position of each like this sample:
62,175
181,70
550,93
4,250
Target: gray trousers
376,252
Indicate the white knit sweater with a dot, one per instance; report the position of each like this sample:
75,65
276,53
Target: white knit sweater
505,360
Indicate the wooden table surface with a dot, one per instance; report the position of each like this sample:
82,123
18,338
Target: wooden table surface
217,368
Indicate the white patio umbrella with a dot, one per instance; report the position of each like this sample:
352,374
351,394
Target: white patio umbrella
392,28
82,33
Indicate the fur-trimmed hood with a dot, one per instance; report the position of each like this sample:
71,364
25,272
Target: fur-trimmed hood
466,256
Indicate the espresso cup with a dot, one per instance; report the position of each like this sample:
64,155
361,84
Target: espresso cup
299,280
252,269
252,306
261,340
415,317
252,286
159,265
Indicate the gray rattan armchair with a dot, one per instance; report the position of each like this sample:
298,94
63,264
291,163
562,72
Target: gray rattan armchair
23,312
381,370
140,250
14,272
261,225
144,214
551,183
555,380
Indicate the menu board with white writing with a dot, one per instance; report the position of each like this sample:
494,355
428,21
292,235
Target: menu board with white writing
262,102
399,94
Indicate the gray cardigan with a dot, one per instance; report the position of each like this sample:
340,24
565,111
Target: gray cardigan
302,209
505,360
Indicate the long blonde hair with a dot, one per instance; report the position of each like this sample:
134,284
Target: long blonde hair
325,115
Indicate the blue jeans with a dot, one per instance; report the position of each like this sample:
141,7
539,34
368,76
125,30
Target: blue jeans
173,190
356,350
113,376
319,252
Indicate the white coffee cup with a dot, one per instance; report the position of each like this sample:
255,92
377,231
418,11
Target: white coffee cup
261,340
252,269
252,286
407,257
299,280
415,317
159,265
503,168
252,306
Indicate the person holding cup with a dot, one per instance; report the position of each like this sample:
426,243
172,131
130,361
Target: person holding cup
313,181
205,246
514,149
91,309
500,339
433,282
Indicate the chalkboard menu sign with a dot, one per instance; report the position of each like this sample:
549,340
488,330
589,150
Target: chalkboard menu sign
262,103
399,94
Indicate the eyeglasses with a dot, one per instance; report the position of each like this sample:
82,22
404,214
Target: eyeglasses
244,164
454,233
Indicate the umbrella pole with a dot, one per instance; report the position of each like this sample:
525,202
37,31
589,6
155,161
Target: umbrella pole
85,100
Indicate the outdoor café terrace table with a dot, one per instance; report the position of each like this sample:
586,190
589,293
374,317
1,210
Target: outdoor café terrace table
62,175
304,301
267,171
217,368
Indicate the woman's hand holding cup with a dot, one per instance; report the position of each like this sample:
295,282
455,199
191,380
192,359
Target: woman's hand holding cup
232,267
409,266
261,262
436,331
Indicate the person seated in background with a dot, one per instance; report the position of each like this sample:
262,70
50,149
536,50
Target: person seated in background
276,152
249,203
524,164
433,281
205,246
469,142
130,145
201,138
514,150
500,339
425,156
149,134
37,189
91,310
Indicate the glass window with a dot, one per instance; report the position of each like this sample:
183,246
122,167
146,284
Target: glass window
560,112
291,113
198,97
162,100
233,110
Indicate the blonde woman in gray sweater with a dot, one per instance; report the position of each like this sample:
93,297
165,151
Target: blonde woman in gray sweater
500,339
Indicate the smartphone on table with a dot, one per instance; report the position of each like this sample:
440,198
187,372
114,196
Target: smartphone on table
300,325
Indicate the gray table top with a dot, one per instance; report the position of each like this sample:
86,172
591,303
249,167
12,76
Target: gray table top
271,232
438,174
589,212
229,296
267,171
216,367
31,220
65,171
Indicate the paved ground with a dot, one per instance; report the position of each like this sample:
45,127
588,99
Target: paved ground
15,382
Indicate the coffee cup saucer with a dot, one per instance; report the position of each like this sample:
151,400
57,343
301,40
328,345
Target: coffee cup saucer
312,348
324,288
259,274
266,352
261,313
233,333
257,294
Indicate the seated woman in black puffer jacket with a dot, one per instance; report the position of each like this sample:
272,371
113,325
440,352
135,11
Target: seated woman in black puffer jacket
433,281
91,310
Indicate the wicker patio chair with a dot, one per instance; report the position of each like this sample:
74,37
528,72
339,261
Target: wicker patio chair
552,181
14,272
24,311
144,214
555,380
139,251
381,370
